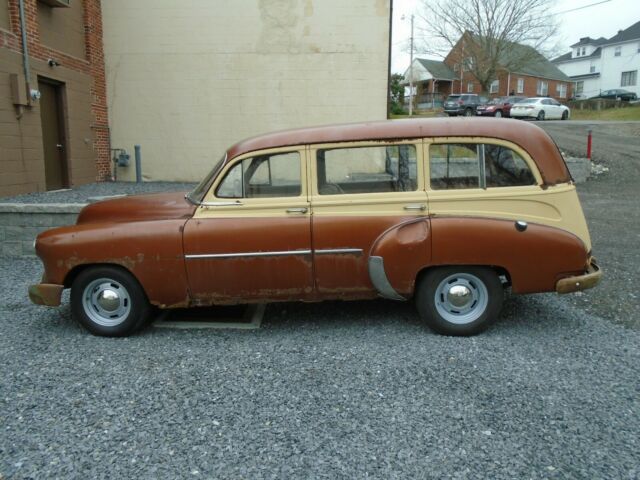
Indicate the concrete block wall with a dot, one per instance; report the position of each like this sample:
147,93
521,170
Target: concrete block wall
21,223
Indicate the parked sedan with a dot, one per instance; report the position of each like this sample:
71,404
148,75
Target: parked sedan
618,94
540,108
498,107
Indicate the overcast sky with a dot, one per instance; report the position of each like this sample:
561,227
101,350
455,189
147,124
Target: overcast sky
603,20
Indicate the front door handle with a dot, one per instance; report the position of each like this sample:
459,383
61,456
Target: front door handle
297,210
416,206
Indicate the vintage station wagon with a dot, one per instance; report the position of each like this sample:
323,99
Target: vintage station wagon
447,212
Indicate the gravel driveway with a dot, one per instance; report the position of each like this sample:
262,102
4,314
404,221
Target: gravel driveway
338,390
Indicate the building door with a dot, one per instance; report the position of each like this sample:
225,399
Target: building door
53,138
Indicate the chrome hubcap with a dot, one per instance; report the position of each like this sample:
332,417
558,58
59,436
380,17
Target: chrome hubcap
461,298
106,302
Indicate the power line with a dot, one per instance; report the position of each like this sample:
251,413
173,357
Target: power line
581,8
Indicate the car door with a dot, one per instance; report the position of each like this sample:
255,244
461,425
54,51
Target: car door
250,240
369,218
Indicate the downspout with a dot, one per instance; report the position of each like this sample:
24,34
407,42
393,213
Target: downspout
25,50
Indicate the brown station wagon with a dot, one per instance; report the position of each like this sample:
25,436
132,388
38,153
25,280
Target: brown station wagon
446,212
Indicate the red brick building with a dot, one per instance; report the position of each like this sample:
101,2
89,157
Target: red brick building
535,77
53,111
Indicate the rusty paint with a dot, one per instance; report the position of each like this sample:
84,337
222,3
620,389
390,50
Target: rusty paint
46,294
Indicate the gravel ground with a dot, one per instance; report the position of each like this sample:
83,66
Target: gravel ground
82,193
334,390
343,390
611,203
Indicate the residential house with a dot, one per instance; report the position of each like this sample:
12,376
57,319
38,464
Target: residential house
601,64
530,74
432,81
53,111
533,76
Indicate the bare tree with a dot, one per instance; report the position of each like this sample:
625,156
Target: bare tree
489,35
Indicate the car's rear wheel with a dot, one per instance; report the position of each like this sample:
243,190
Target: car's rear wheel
540,115
468,112
459,300
498,113
109,301
565,115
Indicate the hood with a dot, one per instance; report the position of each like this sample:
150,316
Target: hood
137,208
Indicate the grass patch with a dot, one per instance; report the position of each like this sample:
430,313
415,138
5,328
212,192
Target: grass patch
422,114
619,114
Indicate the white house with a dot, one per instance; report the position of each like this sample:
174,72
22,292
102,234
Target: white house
601,64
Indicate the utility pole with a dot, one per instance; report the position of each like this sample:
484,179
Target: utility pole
411,72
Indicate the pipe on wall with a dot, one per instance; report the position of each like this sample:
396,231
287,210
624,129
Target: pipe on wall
25,50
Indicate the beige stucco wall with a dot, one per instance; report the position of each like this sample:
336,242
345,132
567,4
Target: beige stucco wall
187,79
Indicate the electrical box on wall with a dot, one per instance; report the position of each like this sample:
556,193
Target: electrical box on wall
57,3
18,89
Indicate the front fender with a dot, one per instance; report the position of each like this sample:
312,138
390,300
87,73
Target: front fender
150,250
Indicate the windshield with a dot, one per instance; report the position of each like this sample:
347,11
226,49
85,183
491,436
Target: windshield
197,194
497,101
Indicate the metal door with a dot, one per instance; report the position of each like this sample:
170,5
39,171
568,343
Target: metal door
53,138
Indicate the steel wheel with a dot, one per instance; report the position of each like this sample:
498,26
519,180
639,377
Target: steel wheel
109,301
106,302
461,298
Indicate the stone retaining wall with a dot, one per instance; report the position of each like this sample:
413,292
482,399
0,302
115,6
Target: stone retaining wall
21,223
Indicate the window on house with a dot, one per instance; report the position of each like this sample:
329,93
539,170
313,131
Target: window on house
275,175
462,165
470,87
579,87
617,52
592,69
520,88
493,88
578,52
561,90
584,51
468,63
391,168
629,78
542,88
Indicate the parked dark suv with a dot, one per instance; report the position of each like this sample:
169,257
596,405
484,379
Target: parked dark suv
463,104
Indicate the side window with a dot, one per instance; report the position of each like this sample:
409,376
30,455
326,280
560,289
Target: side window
463,165
505,168
454,165
276,175
390,168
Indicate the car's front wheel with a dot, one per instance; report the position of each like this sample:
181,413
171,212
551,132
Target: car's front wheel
459,300
565,115
109,301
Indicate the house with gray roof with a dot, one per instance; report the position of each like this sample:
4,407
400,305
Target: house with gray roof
522,71
595,65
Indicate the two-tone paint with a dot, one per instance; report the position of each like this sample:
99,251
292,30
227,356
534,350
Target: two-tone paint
348,246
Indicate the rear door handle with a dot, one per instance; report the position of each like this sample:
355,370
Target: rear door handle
297,210
416,206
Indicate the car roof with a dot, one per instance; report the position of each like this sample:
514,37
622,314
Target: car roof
528,136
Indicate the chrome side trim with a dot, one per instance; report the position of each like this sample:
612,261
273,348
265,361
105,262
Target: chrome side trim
334,251
380,281
248,254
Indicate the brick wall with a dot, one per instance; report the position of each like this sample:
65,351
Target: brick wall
83,77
